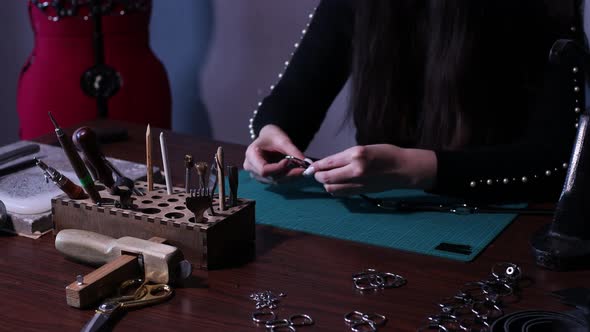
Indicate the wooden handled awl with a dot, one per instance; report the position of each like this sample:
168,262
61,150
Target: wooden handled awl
86,141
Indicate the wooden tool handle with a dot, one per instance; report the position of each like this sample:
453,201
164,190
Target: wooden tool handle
87,247
86,141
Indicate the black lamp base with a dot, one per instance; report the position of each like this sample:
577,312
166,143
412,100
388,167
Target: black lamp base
558,252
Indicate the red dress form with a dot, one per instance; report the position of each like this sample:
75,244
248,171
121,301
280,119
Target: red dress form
50,80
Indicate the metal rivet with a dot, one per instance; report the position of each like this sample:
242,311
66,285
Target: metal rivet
473,184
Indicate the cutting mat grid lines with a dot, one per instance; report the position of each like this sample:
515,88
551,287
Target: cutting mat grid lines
304,206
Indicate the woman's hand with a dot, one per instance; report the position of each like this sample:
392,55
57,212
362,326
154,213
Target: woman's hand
375,168
265,156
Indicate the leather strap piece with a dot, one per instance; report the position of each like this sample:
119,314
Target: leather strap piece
539,321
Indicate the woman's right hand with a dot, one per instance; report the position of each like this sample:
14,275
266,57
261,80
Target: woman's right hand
265,156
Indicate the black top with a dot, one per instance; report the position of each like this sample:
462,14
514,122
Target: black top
531,167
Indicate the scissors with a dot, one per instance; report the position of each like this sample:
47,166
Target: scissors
455,208
140,294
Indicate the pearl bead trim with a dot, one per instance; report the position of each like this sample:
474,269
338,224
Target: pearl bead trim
548,172
280,76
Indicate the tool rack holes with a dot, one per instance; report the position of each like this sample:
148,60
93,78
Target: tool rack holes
172,200
99,187
156,197
160,191
163,204
147,201
174,215
181,195
180,208
151,211
107,201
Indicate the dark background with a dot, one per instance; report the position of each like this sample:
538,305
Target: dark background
221,57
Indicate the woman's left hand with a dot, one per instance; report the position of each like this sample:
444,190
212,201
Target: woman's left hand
375,168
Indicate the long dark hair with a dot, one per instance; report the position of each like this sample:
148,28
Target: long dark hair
442,73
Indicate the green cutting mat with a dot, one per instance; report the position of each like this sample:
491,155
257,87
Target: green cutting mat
304,206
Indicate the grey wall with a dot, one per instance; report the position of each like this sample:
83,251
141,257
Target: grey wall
221,57
17,42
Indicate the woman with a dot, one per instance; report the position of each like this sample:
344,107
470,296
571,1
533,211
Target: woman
452,97
64,51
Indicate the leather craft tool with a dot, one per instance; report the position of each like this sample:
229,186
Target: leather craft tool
149,161
123,179
232,178
86,141
19,152
202,168
77,163
61,181
220,177
162,263
134,293
197,204
124,258
188,165
17,167
212,184
166,164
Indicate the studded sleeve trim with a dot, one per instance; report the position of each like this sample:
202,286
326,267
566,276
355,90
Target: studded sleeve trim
312,78
533,168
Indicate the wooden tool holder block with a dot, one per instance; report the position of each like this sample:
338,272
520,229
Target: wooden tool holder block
220,240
